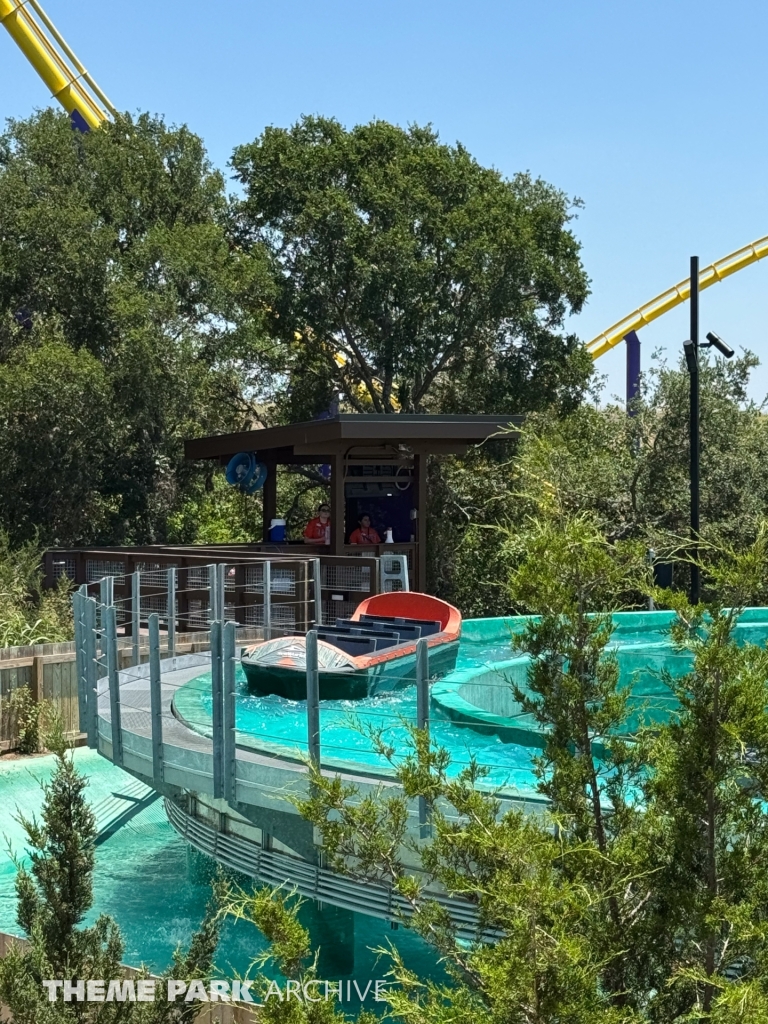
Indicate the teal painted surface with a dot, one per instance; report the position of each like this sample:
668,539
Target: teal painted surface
479,694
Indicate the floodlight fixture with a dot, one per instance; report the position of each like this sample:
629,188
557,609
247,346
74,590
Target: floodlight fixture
720,345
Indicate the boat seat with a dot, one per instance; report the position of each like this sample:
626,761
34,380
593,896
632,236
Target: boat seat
355,645
428,626
407,630
376,634
366,629
381,640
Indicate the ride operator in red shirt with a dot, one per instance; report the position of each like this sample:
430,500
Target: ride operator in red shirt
318,530
365,533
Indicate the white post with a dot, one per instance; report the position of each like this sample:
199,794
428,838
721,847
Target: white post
317,586
113,678
135,617
156,697
228,637
171,612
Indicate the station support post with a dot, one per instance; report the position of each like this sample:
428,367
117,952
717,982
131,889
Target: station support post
91,673
266,582
313,699
422,719
171,612
217,684
135,617
78,611
156,697
228,640
317,585
221,590
212,599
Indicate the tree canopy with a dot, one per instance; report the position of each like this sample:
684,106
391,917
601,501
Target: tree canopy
408,275
118,309
630,472
140,304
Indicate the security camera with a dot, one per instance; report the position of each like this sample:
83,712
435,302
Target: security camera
690,356
720,345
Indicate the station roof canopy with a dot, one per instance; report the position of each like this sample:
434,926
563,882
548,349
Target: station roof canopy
358,434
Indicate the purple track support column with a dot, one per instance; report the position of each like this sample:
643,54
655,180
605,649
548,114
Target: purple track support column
633,368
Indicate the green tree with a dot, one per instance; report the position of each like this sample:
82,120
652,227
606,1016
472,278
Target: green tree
120,325
708,826
55,892
629,473
289,954
532,958
559,890
633,472
409,276
30,614
55,431
639,895
53,895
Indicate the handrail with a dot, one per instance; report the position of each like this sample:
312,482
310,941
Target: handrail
680,293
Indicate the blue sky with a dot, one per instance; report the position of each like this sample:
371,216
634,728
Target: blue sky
654,114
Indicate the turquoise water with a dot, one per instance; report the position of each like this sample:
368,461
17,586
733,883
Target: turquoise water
149,880
278,725
346,733
145,876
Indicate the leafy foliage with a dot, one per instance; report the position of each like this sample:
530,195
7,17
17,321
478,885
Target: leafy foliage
638,894
28,613
709,815
27,718
119,295
289,954
408,276
629,473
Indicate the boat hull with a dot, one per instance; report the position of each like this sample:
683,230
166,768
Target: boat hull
393,674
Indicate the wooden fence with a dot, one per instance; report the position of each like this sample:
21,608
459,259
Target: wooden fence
210,1013
49,671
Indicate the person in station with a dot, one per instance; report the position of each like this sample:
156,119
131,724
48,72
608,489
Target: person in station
318,530
365,533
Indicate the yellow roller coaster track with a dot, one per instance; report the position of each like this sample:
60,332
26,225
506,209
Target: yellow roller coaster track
69,82
48,53
77,92
675,296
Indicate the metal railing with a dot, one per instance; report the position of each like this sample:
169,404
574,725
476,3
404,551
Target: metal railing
278,595
112,634
158,607
344,581
163,704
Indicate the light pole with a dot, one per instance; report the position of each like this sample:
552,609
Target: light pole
691,348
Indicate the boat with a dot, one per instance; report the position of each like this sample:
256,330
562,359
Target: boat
372,652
